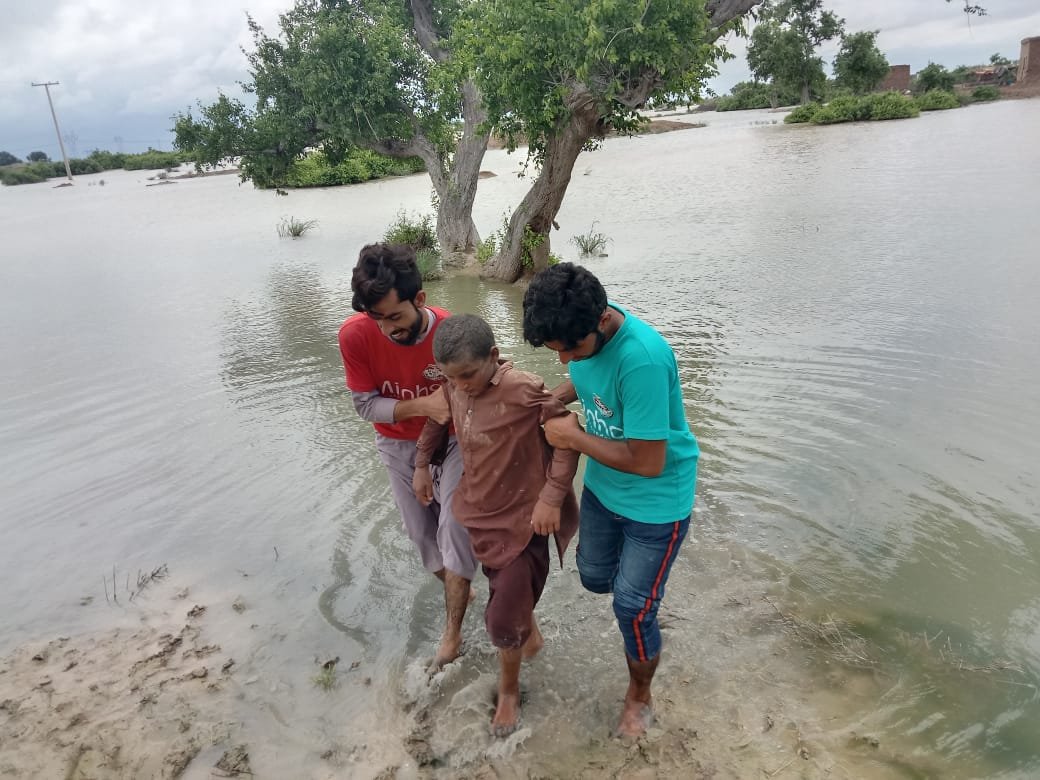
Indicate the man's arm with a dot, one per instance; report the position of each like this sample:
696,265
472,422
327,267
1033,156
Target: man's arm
565,392
375,408
634,456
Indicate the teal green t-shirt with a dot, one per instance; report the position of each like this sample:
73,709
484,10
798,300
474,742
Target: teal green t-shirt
630,390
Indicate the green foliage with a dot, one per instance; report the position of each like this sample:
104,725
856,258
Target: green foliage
933,77
999,59
754,94
802,114
338,76
849,108
96,162
430,264
842,109
37,157
538,63
783,45
859,65
290,227
590,243
486,249
986,92
937,100
355,166
891,105
6,158
417,232
497,241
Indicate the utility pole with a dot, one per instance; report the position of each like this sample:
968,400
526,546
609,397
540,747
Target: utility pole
47,87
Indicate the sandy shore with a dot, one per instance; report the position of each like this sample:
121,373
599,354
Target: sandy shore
168,699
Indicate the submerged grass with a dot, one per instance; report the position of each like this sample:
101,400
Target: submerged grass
294,228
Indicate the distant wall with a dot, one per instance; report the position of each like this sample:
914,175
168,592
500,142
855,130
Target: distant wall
1029,62
898,79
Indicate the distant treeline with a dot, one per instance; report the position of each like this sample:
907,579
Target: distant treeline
96,162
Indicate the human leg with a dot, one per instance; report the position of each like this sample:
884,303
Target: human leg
599,544
459,562
648,552
509,617
420,522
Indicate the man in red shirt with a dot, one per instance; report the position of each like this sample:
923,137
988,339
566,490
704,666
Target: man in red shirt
395,384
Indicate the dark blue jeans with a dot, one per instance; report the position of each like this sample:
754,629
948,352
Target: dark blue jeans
632,560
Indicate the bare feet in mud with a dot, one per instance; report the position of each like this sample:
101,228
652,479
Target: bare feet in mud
636,718
507,715
450,648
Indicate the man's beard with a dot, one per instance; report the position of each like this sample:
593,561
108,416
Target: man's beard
413,332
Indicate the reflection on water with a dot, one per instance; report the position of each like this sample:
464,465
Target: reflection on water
853,312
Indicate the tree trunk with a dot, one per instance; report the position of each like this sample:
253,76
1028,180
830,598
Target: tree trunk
456,232
536,214
454,177
806,96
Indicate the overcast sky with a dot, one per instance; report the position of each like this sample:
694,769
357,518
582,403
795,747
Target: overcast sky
126,66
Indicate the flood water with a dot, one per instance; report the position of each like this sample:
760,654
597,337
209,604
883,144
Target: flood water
854,310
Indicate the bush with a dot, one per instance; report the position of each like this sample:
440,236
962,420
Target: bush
842,109
418,233
430,266
486,249
937,100
847,108
802,114
986,93
890,105
356,166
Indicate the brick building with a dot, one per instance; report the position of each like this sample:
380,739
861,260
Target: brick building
1029,62
898,79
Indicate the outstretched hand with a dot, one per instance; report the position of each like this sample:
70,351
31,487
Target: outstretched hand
561,432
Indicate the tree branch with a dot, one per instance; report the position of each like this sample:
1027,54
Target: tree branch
426,31
722,11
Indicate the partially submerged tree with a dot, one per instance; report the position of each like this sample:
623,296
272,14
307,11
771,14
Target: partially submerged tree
859,65
784,43
560,76
376,74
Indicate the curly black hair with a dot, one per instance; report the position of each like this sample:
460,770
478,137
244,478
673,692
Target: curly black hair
563,303
381,268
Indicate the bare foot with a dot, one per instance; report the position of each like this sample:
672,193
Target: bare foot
636,718
449,649
534,642
472,595
507,715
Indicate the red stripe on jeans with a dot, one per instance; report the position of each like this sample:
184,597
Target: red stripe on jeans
653,594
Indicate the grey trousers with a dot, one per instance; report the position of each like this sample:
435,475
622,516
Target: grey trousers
441,541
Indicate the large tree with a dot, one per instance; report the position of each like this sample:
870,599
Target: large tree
859,64
559,76
377,74
784,43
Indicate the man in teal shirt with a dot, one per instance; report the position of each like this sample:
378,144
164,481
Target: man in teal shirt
642,468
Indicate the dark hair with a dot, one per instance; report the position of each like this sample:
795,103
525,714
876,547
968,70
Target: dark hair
563,303
381,268
462,337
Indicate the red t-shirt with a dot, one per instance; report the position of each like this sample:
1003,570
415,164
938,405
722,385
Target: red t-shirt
374,362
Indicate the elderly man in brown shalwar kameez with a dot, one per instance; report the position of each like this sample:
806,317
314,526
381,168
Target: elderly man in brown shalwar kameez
515,489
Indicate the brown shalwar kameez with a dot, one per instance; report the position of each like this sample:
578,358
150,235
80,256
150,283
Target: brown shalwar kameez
507,468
